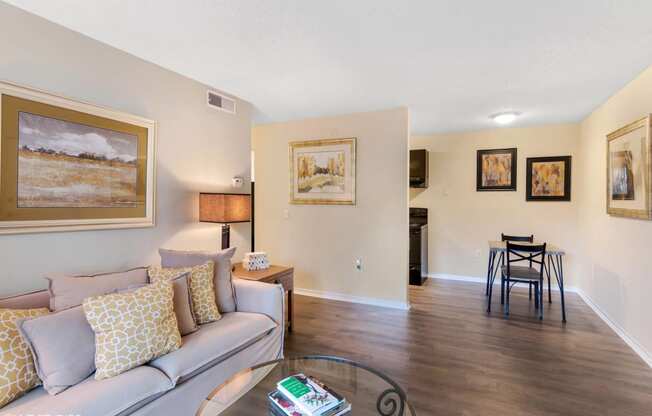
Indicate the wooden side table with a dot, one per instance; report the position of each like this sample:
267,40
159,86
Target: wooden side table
282,275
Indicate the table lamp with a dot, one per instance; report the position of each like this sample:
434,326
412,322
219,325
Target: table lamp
224,209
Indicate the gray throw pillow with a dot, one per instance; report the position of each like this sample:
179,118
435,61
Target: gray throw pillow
224,292
63,347
69,291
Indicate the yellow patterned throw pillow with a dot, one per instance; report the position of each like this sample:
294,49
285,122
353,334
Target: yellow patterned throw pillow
17,371
202,290
132,328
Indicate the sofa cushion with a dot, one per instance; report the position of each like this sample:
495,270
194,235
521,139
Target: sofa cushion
17,372
182,303
224,291
213,343
119,395
202,289
69,291
30,300
132,328
63,346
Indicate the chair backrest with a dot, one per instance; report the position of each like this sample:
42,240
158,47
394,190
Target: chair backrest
525,238
534,253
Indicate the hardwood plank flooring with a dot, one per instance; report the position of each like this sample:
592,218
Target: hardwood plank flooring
454,359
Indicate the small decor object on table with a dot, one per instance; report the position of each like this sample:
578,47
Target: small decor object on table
629,171
323,172
255,261
301,395
282,275
548,178
496,170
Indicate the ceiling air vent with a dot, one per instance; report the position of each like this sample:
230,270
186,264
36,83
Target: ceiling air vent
220,102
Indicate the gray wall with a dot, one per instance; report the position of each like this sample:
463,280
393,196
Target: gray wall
199,149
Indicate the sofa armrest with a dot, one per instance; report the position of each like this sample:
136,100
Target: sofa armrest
257,297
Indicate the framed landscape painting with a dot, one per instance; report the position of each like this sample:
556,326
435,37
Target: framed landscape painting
548,178
629,171
66,165
323,172
496,170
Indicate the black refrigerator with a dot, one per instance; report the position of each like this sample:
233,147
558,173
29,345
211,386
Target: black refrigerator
418,246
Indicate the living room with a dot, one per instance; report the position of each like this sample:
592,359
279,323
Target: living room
201,202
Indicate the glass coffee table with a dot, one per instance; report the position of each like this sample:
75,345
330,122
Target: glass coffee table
369,391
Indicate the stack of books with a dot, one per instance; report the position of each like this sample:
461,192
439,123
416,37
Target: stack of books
301,395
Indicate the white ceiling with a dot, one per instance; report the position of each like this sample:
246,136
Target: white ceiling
452,62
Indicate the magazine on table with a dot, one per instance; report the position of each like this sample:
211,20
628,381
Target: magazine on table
309,395
279,405
274,411
301,395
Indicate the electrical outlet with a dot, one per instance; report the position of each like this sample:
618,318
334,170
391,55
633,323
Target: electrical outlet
477,252
358,264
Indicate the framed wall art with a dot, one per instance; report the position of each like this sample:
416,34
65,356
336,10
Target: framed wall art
323,172
629,171
548,178
67,165
496,170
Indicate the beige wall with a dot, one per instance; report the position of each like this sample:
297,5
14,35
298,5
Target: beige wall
322,241
199,149
617,265
462,220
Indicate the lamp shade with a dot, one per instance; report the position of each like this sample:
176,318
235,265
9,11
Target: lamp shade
224,208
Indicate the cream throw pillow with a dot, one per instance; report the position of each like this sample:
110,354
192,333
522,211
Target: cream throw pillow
17,371
132,328
202,289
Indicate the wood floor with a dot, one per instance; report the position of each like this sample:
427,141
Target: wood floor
454,359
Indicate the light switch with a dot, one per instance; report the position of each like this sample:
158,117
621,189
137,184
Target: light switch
286,213
358,264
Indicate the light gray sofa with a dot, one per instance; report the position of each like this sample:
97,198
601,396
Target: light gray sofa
176,383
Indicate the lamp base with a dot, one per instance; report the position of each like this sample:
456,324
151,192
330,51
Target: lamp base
226,236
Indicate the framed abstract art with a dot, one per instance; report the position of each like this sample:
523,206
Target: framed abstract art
496,170
629,171
323,172
67,165
548,178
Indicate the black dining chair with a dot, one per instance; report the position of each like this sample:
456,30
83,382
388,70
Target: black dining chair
533,254
514,239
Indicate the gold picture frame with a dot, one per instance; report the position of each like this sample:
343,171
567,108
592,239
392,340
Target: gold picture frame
67,165
629,170
322,172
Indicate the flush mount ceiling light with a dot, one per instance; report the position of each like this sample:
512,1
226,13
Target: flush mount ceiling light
505,117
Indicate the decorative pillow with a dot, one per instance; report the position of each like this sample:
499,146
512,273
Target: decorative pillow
224,292
132,328
63,347
182,303
69,291
202,291
17,372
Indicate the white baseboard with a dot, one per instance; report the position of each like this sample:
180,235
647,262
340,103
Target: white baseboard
631,342
353,299
457,277
476,279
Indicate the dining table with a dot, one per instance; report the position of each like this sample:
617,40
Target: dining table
553,265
